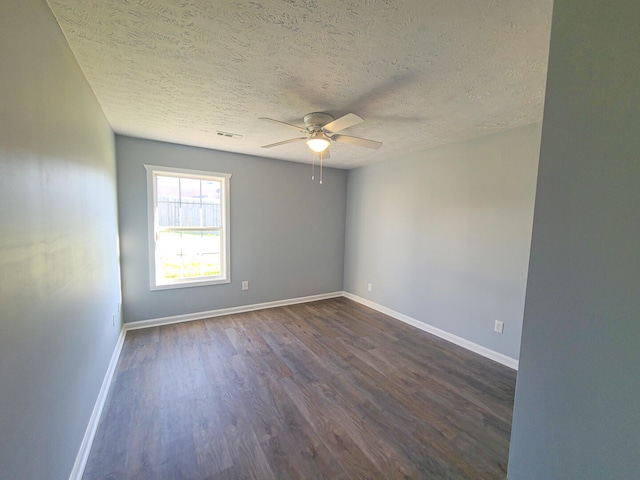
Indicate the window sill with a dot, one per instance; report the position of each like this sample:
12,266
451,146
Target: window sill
191,283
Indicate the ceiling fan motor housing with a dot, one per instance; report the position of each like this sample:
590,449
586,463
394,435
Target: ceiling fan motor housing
315,121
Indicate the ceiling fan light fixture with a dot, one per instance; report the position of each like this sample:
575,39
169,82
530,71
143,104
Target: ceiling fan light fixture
318,142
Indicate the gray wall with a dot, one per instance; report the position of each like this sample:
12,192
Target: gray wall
287,232
577,409
59,277
444,235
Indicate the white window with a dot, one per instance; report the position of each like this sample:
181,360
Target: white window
188,227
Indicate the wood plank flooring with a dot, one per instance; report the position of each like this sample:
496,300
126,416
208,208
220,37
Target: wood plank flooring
323,390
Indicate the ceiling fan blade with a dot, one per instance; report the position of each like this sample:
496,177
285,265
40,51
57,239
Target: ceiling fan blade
300,129
346,121
361,142
284,142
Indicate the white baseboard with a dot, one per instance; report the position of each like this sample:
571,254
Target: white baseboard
462,342
85,447
154,322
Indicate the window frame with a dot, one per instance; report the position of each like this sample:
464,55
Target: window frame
152,225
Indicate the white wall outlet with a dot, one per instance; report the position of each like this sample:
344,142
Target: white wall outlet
498,326
245,285
368,287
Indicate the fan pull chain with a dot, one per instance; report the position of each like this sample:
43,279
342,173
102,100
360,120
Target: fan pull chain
321,168
313,166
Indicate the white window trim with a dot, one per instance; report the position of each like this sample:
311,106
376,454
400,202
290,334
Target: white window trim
225,258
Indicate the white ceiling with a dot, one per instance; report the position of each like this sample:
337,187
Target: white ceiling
422,73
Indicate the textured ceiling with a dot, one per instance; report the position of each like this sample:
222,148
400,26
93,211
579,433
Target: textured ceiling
422,73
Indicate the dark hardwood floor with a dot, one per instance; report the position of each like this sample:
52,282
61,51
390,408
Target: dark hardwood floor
324,390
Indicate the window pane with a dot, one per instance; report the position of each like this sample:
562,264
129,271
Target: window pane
168,197
191,215
211,215
167,187
190,190
168,214
202,242
210,192
187,255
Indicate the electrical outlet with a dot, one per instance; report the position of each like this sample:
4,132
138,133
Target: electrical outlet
368,287
498,326
245,285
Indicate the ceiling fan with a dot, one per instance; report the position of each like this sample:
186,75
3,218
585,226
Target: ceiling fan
321,129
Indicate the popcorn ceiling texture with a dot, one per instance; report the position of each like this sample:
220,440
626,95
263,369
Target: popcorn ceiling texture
421,73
